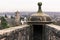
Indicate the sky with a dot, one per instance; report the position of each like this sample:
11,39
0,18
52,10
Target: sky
29,5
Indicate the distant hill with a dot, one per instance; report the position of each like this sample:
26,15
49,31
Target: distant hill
29,13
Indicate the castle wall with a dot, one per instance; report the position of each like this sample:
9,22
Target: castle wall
15,33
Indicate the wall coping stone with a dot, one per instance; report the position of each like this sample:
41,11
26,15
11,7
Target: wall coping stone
54,26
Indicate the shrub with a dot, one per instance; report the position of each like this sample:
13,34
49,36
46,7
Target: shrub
4,23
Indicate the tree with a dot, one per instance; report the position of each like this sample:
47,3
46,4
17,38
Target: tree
4,23
5,16
12,17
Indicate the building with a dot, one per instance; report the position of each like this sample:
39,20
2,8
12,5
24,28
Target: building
17,18
38,22
11,22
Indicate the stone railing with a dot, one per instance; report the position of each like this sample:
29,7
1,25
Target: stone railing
16,33
52,32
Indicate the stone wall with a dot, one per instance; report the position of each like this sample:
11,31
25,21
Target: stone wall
16,33
52,32
25,32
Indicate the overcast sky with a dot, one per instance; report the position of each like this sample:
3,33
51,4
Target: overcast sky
29,5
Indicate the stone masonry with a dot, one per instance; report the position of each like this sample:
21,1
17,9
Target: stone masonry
15,33
25,32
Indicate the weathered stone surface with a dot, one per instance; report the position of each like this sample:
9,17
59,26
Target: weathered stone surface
53,32
25,32
15,33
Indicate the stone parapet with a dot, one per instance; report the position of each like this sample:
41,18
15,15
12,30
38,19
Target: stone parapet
15,33
52,32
